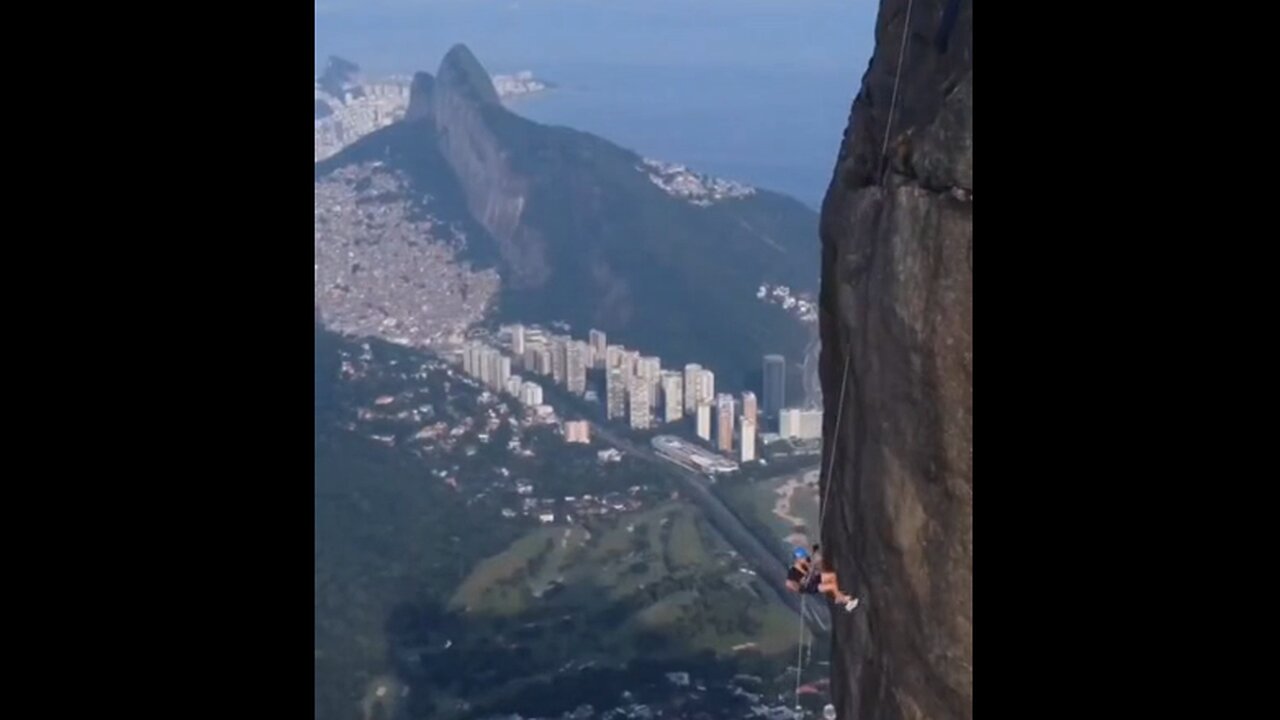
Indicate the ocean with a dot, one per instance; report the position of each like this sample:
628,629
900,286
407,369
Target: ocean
775,129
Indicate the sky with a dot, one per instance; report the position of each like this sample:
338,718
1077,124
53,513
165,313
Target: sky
404,35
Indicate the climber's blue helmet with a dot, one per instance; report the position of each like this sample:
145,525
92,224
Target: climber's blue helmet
800,554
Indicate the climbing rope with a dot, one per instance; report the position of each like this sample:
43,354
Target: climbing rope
848,356
831,459
822,516
897,78
884,149
800,651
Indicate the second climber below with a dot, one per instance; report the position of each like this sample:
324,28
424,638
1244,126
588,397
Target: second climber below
809,576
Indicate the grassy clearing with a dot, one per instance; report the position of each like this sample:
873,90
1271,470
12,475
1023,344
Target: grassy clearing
665,565
779,632
666,612
499,584
687,549
759,500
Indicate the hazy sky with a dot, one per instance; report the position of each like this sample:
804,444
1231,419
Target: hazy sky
406,35
754,90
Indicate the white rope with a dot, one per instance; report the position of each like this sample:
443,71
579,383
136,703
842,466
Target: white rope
897,77
884,148
848,355
831,460
800,651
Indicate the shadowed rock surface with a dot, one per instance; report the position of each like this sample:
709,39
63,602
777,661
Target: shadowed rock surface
496,195
897,298
421,98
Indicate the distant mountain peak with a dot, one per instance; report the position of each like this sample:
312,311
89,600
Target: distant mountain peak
461,71
341,65
338,74
421,97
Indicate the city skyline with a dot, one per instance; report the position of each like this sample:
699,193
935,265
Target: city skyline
638,390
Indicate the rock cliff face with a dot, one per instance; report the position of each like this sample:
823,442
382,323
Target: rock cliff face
464,101
897,303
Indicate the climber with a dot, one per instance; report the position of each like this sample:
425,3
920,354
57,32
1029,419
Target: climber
800,578
807,577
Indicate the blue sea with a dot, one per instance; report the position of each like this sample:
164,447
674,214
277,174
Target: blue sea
775,129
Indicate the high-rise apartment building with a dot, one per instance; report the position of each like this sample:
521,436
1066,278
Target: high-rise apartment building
672,396
639,406
490,367
750,411
474,365
576,366
789,423
631,362
705,387
543,361
514,383
599,347
559,359
724,423
481,354
748,441
650,366
775,385
704,421
613,355
502,367
517,340
649,369
810,424
800,424
691,373
615,389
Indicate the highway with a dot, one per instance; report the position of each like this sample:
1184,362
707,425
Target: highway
771,568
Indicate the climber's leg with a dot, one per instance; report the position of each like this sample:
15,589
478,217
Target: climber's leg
829,586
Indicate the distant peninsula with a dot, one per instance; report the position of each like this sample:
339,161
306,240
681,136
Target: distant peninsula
520,84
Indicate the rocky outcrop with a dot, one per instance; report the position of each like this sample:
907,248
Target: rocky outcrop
896,305
421,98
462,73
337,77
465,103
